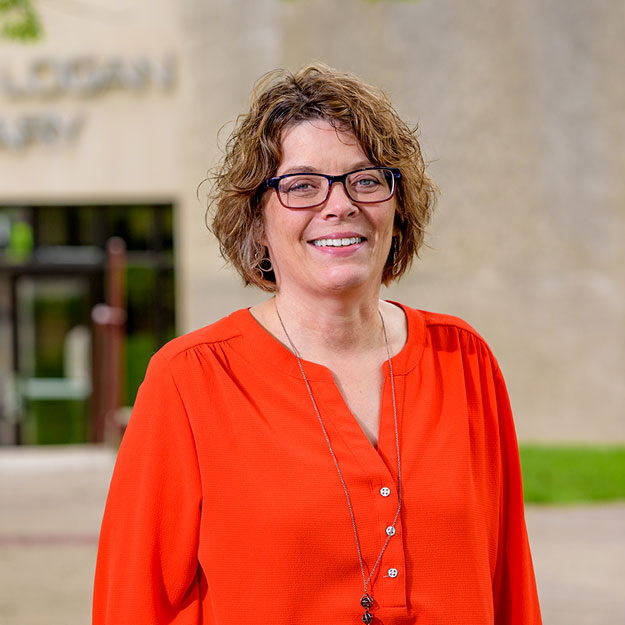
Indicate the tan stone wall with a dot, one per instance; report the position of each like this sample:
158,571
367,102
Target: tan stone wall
115,144
521,109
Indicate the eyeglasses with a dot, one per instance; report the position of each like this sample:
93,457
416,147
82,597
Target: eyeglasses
364,186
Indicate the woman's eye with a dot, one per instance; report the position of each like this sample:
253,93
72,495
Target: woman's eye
368,181
301,185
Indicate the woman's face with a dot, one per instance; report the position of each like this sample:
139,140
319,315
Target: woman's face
303,260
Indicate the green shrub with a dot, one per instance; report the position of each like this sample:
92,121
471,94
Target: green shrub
571,474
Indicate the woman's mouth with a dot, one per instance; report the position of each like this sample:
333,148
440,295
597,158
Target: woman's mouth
344,242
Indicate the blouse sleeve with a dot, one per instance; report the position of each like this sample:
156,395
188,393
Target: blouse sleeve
147,566
514,587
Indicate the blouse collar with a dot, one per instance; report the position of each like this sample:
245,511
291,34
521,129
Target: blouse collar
268,352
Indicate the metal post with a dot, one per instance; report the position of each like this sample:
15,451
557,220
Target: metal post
109,322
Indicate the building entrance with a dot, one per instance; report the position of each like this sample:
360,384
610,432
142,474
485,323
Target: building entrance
53,270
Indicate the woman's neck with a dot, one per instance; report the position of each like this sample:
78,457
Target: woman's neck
325,328
330,325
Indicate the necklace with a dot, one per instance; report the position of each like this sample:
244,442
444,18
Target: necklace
366,601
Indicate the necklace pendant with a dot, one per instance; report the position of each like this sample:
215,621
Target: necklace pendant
366,601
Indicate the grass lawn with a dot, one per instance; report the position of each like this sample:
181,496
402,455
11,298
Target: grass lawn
572,474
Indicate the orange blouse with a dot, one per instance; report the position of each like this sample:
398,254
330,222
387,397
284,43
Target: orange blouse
226,508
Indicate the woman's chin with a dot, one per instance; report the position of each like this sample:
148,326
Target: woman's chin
347,279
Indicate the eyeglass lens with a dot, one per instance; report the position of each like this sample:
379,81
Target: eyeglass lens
365,186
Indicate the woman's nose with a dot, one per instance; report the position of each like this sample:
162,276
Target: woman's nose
339,204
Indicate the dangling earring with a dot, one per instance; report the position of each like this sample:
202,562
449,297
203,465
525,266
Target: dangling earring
265,264
262,263
392,257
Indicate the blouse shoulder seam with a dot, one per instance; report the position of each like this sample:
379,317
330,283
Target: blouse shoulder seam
458,326
172,350
451,321
462,326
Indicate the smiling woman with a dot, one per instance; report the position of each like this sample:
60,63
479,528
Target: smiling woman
324,455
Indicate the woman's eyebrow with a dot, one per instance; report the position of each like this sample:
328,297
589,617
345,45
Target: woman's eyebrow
307,169
300,169
361,165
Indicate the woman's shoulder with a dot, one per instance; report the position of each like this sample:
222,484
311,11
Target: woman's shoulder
222,331
446,332
431,320
434,319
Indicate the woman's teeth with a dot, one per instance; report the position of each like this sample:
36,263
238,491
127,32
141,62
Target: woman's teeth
337,242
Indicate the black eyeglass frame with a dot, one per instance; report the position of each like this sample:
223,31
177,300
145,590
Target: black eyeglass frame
273,183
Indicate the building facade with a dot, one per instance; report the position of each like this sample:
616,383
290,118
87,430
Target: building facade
110,123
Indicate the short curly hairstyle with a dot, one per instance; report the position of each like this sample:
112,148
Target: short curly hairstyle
253,152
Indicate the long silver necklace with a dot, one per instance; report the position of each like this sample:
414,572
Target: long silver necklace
366,601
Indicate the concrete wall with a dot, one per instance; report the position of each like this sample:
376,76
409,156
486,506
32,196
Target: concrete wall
90,112
521,109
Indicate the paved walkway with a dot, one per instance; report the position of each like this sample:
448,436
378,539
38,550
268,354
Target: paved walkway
51,503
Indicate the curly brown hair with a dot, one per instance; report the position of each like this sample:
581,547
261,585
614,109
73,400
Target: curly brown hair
254,149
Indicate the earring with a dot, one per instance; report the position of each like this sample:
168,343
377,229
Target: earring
265,264
394,251
262,263
393,255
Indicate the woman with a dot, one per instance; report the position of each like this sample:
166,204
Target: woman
324,456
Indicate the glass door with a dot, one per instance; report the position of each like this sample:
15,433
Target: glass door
53,271
53,358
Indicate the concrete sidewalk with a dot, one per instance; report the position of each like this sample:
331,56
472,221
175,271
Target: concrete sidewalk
52,501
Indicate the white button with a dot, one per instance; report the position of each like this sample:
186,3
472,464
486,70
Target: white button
393,572
385,491
390,531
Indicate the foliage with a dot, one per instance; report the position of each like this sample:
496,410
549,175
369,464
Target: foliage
570,474
56,422
19,21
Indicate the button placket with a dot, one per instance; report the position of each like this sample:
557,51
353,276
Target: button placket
391,582
381,472
390,588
